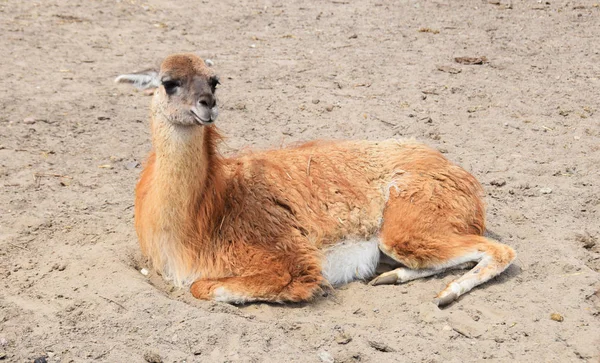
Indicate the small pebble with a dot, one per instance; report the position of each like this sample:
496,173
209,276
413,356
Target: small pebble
144,272
3,342
586,239
209,62
382,347
315,101
132,165
545,190
343,338
329,108
326,357
498,183
29,120
152,357
557,317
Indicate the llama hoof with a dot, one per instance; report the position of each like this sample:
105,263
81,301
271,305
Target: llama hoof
388,278
446,299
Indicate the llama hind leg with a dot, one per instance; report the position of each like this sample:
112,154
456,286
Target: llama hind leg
434,255
496,258
403,274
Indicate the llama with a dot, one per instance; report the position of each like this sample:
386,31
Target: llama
281,225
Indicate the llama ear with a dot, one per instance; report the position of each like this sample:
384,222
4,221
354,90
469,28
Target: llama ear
143,80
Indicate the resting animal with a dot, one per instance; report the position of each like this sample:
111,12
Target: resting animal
281,224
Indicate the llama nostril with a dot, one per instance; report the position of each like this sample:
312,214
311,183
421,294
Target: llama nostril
207,101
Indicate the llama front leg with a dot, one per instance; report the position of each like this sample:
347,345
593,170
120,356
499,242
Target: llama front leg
294,282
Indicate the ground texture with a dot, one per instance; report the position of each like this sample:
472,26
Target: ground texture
526,123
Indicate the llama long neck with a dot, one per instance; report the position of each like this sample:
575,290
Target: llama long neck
187,173
188,192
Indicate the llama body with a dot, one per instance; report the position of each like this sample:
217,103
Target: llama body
280,224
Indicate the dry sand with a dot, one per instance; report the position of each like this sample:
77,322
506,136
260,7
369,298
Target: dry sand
526,123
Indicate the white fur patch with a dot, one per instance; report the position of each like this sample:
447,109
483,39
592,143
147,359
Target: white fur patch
351,260
397,183
173,266
223,295
469,257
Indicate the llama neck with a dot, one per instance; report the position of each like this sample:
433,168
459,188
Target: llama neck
187,174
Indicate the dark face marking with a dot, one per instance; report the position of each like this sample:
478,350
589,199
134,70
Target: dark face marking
170,85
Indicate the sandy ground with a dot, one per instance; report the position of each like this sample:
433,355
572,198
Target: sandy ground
526,123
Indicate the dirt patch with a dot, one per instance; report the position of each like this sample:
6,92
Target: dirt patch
525,122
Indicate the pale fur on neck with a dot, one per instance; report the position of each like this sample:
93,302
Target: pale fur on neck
180,177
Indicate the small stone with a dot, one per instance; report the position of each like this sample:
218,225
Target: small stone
2,355
326,357
498,183
144,272
132,165
152,357
209,62
315,101
448,69
3,342
329,108
545,190
557,317
29,120
382,347
586,239
40,360
62,267
343,338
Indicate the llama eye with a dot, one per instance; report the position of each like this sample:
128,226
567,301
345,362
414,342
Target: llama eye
170,86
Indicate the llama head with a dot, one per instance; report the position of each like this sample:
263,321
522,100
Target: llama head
184,90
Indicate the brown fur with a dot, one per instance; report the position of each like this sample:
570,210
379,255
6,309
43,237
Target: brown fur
256,224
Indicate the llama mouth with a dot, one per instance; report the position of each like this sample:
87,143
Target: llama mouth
199,120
